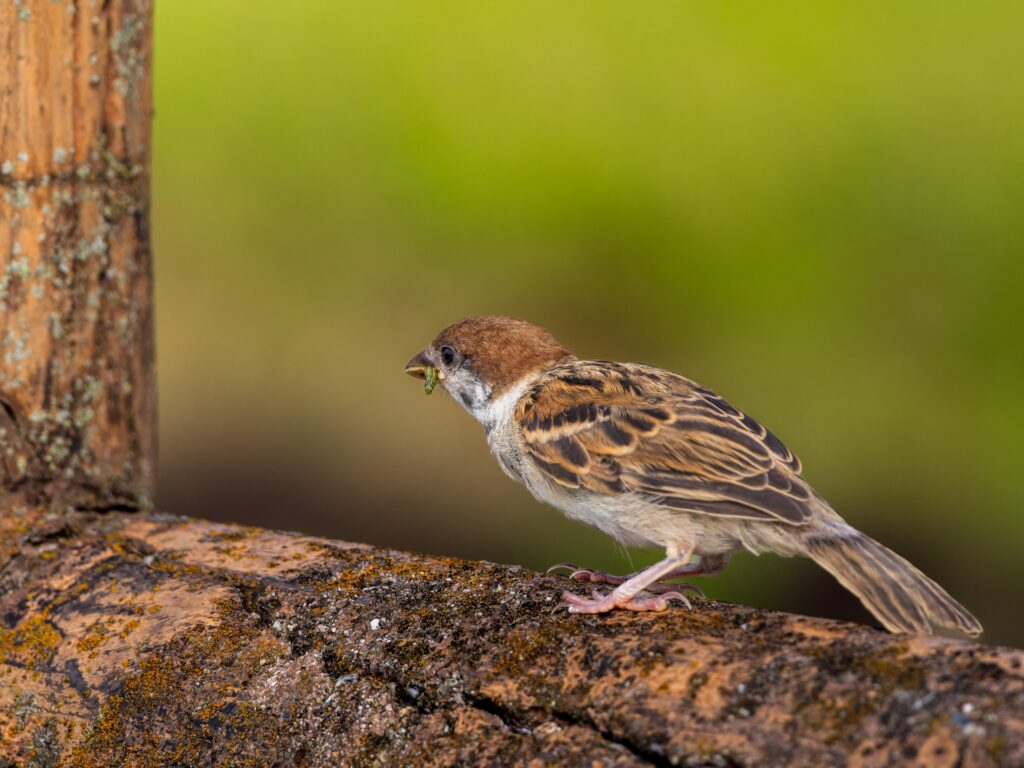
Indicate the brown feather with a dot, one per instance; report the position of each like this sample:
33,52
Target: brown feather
900,596
670,439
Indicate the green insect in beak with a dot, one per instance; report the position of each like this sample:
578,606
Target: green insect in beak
430,379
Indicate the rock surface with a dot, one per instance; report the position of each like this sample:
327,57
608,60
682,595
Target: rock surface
152,640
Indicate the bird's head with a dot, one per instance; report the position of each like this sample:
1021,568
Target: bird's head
479,359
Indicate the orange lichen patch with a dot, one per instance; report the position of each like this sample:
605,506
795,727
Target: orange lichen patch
78,589
172,563
524,649
31,643
233,551
99,633
379,569
116,543
129,626
93,638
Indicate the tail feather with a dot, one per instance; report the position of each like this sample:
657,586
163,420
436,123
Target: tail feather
901,597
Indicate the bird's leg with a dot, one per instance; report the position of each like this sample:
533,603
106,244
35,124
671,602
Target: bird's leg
662,585
705,566
626,594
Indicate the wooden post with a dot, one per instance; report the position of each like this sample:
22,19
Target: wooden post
77,399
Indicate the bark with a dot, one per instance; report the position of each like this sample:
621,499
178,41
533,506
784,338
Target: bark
151,640
76,338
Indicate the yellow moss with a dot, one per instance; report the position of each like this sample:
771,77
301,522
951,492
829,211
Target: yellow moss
354,580
32,643
168,564
208,666
129,627
234,551
78,589
523,649
94,637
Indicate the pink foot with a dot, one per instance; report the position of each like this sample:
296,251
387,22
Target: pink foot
598,604
662,586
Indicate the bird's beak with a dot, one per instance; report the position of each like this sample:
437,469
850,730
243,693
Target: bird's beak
417,367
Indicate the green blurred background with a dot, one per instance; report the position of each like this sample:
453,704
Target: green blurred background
815,209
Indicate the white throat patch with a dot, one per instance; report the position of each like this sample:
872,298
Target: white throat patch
496,413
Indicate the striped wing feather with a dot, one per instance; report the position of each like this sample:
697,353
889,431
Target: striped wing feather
615,428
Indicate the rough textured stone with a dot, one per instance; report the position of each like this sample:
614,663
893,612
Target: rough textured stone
152,640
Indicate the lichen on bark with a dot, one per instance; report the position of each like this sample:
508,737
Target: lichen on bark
76,343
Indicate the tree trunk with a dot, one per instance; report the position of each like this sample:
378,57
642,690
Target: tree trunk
77,395
132,638
149,640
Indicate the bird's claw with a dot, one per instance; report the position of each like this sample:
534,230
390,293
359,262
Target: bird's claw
600,577
572,568
666,596
678,589
598,603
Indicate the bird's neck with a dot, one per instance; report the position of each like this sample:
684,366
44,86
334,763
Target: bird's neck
498,409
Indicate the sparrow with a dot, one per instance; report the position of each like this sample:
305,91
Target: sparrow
654,459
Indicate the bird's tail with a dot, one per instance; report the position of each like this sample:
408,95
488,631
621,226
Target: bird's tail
901,597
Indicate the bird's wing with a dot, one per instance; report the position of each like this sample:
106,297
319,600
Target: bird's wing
625,428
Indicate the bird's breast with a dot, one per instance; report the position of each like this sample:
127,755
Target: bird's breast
504,445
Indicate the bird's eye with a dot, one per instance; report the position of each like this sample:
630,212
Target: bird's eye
448,354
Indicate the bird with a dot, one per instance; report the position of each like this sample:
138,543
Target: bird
654,459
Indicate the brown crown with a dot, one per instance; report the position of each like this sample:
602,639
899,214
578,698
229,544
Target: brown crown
503,349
